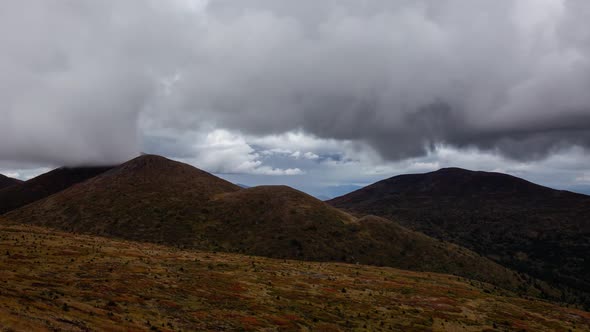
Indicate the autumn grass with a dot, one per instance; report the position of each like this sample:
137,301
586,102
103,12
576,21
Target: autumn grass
59,281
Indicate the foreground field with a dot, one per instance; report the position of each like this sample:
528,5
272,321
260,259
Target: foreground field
59,281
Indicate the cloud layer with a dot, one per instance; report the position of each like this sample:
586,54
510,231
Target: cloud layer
83,81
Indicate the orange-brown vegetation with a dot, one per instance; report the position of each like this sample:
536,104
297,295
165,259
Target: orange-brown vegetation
52,280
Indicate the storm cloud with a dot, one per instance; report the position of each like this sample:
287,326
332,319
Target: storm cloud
84,80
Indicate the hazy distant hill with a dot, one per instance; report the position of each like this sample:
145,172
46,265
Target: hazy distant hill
90,283
158,200
44,185
522,225
5,181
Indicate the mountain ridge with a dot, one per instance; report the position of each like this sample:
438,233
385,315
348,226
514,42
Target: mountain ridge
531,228
153,199
45,185
6,181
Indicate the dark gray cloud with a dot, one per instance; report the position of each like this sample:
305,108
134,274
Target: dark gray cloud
403,76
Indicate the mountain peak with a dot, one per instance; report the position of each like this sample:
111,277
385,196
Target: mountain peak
149,160
454,181
5,181
157,171
453,170
494,214
13,197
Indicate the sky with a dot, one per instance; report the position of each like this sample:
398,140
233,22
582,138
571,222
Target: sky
324,96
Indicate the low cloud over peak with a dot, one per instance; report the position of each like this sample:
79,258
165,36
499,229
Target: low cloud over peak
508,77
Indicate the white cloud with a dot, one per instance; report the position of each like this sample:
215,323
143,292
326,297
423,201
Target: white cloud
12,174
329,163
295,141
218,151
24,173
311,156
344,91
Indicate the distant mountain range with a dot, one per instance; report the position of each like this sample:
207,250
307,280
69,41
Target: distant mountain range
154,199
530,228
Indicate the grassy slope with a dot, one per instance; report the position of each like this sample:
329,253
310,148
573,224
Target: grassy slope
149,198
527,227
52,280
156,200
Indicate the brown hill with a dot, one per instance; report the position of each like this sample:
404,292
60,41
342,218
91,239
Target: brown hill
89,283
530,228
149,198
5,181
45,185
157,200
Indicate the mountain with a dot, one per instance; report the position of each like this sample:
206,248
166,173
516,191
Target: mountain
45,185
90,283
149,198
5,181
530,228
154,199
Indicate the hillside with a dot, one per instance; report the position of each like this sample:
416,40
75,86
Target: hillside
93,283
527,227
5,181
45,185
154,199
149,198
282,222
